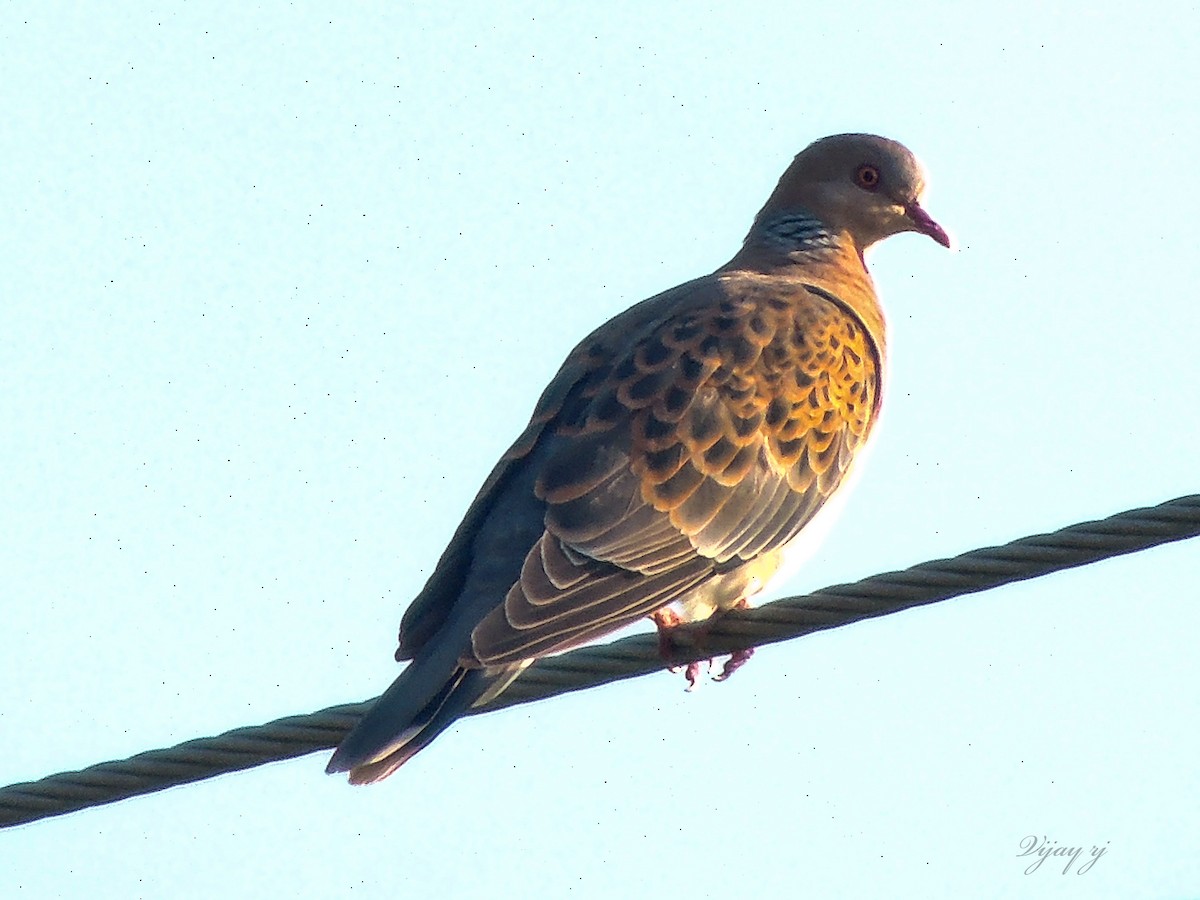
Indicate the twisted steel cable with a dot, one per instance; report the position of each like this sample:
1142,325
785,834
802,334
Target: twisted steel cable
831,607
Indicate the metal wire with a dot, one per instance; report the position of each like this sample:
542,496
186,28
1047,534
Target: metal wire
832,607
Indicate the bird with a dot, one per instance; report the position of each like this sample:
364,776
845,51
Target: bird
676,461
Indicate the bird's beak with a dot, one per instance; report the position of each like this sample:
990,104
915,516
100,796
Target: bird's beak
924,223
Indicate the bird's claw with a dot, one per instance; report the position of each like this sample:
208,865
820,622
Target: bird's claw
736,661
692,673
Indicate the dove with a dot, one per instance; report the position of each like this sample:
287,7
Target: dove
676,461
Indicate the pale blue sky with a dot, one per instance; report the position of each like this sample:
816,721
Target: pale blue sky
280,284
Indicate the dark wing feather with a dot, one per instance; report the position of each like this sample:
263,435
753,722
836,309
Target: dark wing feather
431,608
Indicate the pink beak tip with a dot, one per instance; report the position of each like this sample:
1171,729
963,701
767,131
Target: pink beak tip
925,225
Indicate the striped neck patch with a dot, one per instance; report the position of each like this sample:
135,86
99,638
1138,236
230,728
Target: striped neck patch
800,232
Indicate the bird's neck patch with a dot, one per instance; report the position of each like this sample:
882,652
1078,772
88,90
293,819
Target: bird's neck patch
800,232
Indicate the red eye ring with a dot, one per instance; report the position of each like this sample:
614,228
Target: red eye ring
867,177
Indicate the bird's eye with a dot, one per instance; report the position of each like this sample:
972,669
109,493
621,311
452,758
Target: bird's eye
867,177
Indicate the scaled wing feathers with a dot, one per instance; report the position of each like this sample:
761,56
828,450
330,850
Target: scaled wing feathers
706,444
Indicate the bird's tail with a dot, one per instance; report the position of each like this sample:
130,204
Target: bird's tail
420,704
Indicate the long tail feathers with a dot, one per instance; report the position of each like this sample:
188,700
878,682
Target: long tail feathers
422,703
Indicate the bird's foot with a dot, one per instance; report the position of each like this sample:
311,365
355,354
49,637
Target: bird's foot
738,658
666,620
669,623
736,661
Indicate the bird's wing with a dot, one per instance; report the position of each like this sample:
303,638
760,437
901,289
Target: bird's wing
694,433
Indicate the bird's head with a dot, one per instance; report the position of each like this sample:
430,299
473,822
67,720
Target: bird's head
866,185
